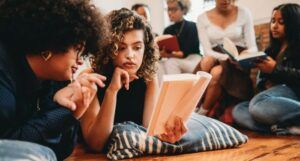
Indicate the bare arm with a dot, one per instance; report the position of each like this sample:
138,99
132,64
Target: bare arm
98,122
150,100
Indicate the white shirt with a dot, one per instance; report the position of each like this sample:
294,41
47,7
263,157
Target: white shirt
240,32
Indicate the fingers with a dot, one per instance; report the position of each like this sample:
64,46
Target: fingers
125,79
92,78
66,102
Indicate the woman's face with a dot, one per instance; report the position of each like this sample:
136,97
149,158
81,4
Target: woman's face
175,12
131,52
62,66
277,25
144,11
225,5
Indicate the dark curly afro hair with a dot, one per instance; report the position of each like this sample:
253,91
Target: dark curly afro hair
120,22
34,26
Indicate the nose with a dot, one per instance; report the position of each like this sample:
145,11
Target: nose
130,54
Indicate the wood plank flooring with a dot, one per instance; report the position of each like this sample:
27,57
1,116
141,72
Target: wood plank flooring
258,148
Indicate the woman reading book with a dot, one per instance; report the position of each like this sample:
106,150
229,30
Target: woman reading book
184,60
278,103
228,79
129,63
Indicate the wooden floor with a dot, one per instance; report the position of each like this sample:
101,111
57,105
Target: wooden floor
258,148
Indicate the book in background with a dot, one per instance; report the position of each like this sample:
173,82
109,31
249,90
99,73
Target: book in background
245,58
178,97
167,42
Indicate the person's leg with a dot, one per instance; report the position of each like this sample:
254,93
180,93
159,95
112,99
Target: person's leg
21,150
214,89
205,64
188,64
270,105
171,66
161,70
243,118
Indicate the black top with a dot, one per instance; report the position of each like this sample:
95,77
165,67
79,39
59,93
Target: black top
287,71
187,34
130,103
27,111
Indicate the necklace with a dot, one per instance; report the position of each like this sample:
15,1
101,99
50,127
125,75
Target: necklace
38,105
180,29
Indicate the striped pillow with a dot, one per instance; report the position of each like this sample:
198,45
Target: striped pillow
129,140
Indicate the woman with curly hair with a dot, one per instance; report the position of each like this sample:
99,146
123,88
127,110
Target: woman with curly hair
42,42
129,63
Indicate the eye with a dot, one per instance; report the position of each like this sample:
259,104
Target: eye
281,22
121,47
272,20
138,47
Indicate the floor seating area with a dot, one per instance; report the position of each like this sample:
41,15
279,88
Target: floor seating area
259,148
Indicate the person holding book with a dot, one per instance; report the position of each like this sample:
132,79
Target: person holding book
131,88
41,45
186,59
278,103
225,20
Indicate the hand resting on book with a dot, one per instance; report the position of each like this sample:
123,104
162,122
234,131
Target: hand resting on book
175,131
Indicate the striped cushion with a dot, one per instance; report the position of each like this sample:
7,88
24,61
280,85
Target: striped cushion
129,140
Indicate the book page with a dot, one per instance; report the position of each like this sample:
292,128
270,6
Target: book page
229,46
179,93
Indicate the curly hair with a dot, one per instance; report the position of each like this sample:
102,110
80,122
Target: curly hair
34,26
120,22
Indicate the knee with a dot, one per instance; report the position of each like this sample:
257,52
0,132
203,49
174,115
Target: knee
207,63
239,110
171,62
257,107
216,72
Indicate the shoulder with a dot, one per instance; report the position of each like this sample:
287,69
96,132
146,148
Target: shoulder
202,18
168,29
6,73
244,12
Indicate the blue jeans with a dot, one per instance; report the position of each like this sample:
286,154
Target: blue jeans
266,108
20,150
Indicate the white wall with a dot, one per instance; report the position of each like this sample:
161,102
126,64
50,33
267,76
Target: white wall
156,7
260,9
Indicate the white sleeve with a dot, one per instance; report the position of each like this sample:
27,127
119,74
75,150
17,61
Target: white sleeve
249,31
204,40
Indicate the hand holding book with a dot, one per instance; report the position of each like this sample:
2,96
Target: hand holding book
246,59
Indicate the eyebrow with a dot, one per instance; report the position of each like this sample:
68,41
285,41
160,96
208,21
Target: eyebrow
134,43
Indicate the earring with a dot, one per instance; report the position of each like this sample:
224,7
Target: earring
46,55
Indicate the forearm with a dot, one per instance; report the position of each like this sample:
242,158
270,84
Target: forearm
286,75
150,101
34,130
102,128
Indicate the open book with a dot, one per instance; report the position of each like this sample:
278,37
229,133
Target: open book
179,95
167,42
245,58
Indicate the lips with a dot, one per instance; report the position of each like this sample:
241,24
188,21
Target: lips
129,65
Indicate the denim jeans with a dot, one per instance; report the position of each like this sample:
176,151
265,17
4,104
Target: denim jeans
266,108
11,150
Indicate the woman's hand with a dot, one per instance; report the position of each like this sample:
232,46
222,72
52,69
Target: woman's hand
88,83
266,65
121,78
78,95
174,131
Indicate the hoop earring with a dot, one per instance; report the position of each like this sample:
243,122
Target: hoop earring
46,55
